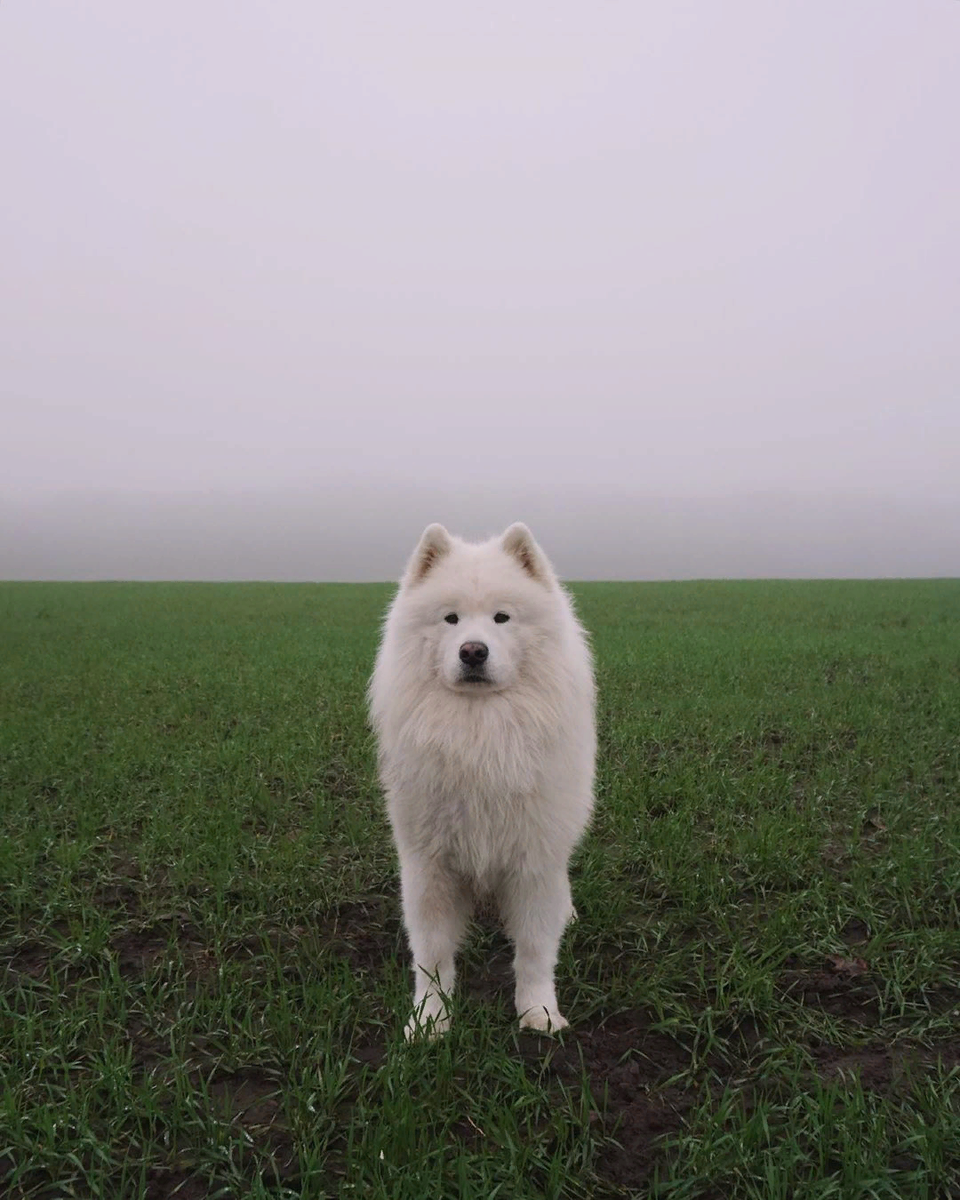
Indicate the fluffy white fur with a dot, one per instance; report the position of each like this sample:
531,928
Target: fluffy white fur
489,780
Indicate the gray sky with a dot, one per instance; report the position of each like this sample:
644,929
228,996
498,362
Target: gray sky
678,283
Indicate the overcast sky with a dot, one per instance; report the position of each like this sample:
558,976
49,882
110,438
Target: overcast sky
677,282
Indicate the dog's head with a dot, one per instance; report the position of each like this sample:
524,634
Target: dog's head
480,616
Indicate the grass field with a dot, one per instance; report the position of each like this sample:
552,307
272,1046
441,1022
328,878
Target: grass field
204,979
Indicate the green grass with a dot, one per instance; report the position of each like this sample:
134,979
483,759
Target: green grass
202,974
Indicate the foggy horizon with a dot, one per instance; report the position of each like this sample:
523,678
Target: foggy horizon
677,286
304,537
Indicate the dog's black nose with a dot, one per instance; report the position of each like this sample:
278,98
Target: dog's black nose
473,653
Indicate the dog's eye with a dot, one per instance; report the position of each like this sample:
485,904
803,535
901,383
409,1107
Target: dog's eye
451,618
501,617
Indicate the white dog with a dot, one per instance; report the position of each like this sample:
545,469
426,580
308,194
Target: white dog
483,703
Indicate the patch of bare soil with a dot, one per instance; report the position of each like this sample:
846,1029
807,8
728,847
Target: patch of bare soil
841,986
633,1072
365,933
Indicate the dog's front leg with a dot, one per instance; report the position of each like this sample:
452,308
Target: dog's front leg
535,911
436,909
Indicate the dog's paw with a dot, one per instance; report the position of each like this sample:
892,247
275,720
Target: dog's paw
424,1028
544,1021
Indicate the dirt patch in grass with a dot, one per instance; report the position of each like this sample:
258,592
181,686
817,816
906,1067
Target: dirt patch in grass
842,987
249,1097
29,960
34,959
633,1071
142,949
138,951
884,1069
366,933
163,1184
252,1100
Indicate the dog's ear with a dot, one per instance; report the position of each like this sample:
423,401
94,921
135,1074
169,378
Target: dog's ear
434,543
519,542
